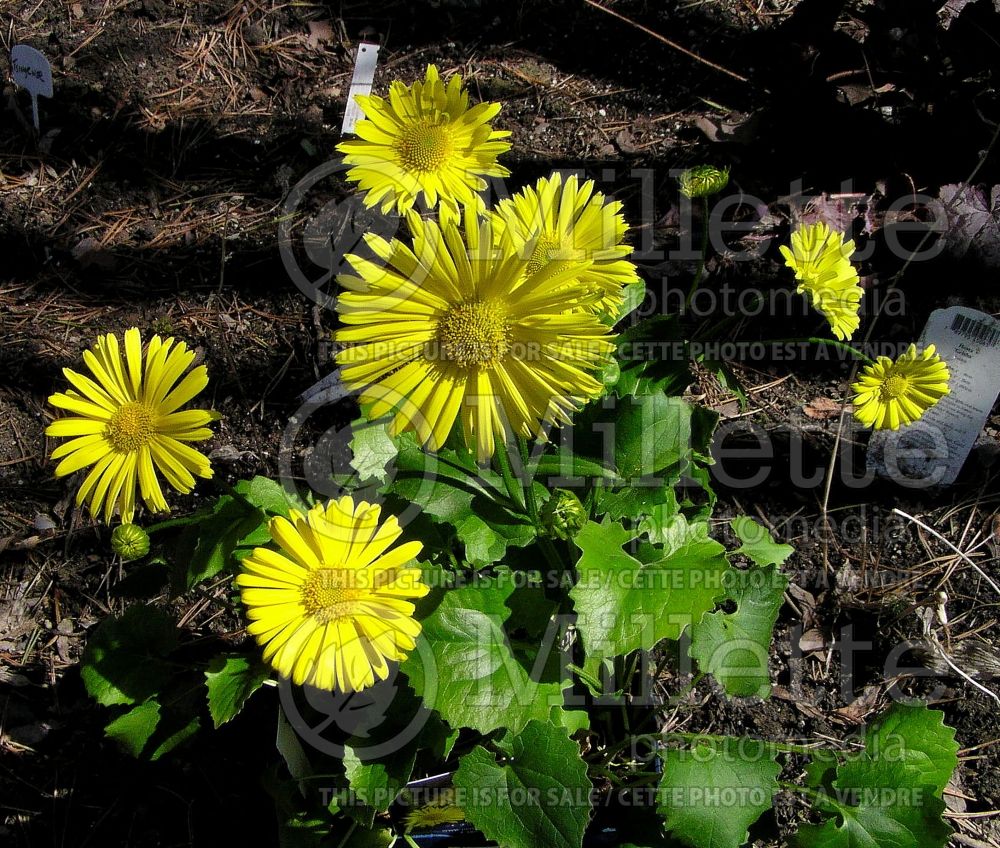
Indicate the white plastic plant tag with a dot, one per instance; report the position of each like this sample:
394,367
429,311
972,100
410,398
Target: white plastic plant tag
33,73
361,83
932,450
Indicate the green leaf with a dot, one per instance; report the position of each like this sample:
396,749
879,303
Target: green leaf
124,662
570,468
637,500
623,603
377,783
758,543
648,439
230,681
649,434
206,546
734,646
919,738
269,496
465,670
890,793
378,764
450,488
873,804
635,294
654,358
666,525
538,795
710,794
144,731
372,449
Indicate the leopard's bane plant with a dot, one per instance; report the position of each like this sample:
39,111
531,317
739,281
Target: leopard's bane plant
821,260
455,330
334,606
889,394
563,222
127,424
425,141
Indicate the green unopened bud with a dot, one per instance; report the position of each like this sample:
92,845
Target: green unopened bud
130,542
563,516
703,180
609,374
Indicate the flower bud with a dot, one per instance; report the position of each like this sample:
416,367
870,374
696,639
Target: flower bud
563,516
609,374
703,180
130,542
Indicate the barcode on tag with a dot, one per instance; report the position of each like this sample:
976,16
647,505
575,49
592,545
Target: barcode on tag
361,83
980,332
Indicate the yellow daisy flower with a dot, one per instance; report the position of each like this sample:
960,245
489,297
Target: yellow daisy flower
455,329
333,607
889,393
821,260
128,424
425,140
565,223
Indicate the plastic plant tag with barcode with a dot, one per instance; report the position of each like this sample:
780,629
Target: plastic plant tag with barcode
361,83
932,450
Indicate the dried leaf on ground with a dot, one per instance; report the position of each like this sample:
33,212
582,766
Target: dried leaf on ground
822,408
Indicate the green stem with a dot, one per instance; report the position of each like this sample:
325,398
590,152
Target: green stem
817,340
811,794
704,256
510,483
544,542
529,490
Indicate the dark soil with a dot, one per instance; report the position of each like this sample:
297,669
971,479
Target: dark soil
153,199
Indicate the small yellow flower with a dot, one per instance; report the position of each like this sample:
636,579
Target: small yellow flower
703,181
889,393
821,260
557,222
129,424
333,608
425,140
456,330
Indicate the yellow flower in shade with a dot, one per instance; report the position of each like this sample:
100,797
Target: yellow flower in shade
127,424
889,393
433,815
425,140
333,608
457,330
566,222
821,260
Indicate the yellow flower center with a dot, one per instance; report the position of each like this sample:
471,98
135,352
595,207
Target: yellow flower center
331,593
425,146
475,333
893,387
545,248
130,427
